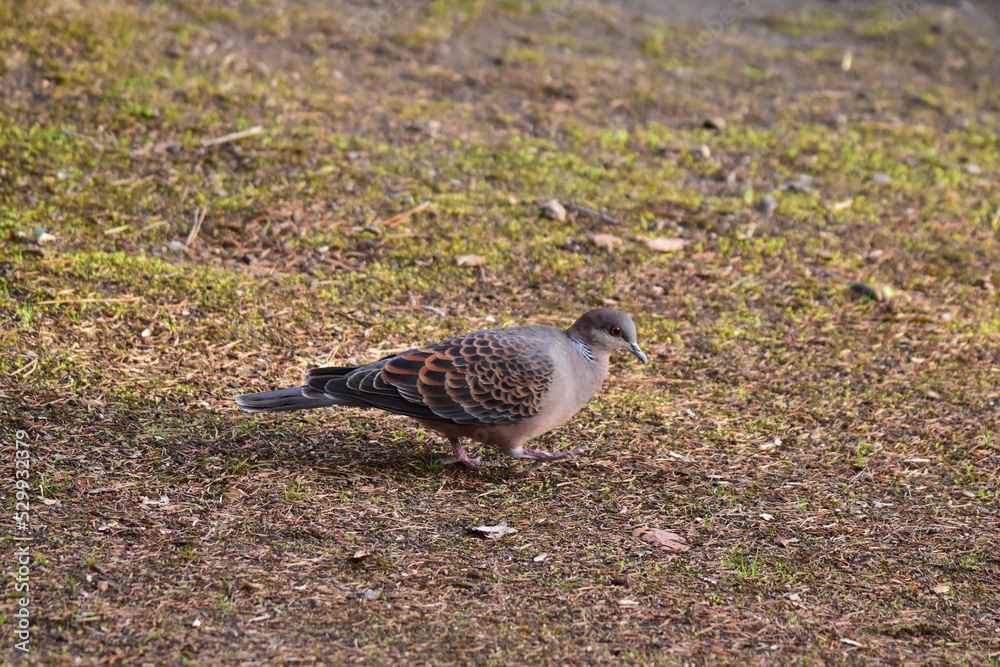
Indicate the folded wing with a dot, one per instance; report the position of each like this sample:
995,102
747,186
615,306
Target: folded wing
486,377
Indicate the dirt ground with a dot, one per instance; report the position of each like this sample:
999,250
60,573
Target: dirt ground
819,421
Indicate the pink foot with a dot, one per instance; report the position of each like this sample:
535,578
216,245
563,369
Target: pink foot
462,457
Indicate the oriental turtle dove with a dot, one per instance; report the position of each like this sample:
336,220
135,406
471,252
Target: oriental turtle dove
499,387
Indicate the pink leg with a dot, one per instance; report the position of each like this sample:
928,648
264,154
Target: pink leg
539,455
460,456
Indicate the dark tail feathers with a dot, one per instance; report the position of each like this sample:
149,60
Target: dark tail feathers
284,400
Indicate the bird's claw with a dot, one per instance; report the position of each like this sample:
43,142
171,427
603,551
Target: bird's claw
472,463
462,457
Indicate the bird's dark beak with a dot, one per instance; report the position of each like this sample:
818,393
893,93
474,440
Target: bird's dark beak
634,349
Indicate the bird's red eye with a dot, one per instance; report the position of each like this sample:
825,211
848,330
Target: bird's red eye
615,331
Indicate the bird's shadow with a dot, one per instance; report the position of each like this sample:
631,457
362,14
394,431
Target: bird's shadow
341,451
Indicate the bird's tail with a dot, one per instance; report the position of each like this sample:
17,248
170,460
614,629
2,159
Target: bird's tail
285,400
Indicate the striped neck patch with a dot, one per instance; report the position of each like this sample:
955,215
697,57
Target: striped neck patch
584,349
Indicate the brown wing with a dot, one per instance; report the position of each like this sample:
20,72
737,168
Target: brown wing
486,377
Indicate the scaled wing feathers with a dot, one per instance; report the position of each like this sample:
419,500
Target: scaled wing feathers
486,377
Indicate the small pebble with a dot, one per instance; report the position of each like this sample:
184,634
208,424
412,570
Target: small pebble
176,246
554,210
802,183
768,205
715,123
973,169
881,179
705,151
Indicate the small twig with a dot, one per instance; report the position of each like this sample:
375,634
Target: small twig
76,135
153,225
199,217
996,220
436,311
896,127
603,217
57,301
233,136
360,321
31,364
334,351
400,218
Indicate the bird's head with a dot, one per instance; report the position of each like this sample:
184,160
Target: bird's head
606,330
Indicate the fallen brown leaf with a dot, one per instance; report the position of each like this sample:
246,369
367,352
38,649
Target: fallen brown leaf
603,240
662,538
663,244
493,532
470,260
